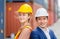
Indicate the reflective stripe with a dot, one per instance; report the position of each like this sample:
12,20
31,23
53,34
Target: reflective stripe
28,27
17,35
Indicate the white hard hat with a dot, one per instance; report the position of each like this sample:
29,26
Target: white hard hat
41,12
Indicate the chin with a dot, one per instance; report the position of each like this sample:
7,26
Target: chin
42,27
22,21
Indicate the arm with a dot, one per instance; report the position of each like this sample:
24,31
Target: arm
34,35
25,34
53,34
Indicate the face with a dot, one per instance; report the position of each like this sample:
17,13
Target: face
42,21
23,17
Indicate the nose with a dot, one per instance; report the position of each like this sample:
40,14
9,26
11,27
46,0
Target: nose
42,21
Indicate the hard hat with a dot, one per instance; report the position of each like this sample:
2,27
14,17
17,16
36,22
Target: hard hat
25,8
41,12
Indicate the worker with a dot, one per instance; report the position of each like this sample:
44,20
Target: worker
42,31
24,17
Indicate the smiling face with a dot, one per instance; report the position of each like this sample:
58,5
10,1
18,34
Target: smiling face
23,17
42,21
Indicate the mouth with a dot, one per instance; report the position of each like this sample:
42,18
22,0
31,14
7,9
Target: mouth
43,24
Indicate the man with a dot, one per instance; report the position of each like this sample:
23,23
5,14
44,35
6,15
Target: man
42,31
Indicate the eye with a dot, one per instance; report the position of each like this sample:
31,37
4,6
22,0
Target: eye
19,14
44,18
39,18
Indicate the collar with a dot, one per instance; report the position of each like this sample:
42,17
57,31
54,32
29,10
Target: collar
45,30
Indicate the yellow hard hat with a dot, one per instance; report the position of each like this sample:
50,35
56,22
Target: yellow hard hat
25,8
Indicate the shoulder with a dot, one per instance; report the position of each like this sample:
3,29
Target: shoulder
50,30
52,33
35,34
27,28
35,31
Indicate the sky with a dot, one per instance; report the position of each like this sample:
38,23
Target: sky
58,3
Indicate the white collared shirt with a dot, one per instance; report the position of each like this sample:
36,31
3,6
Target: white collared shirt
46,33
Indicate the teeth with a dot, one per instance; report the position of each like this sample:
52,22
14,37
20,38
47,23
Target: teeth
42,25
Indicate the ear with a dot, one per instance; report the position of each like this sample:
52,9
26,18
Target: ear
28,17
16,15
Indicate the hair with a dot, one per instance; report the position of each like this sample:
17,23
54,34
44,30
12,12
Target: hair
29,14
38,17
